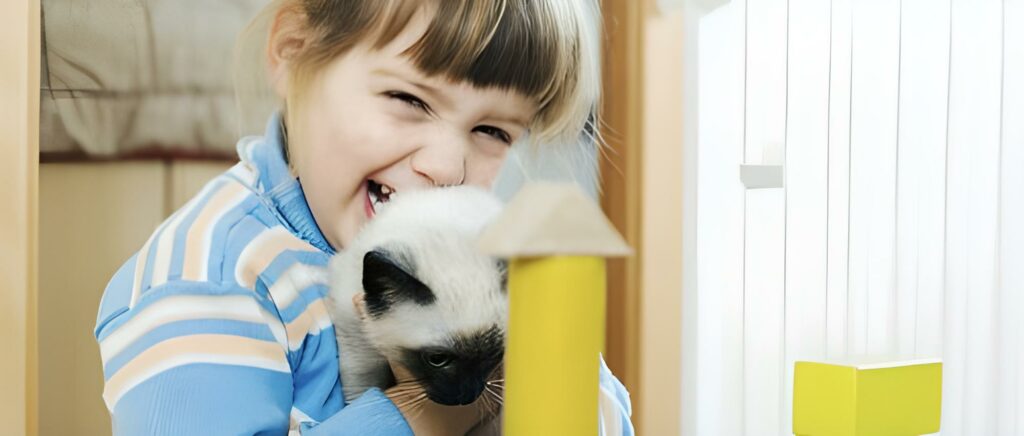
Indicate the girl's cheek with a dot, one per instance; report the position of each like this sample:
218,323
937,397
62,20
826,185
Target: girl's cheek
394,132
484,174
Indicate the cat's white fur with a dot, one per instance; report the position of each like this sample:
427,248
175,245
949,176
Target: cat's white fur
438,229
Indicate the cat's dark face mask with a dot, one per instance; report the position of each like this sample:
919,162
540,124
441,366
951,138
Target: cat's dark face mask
459,375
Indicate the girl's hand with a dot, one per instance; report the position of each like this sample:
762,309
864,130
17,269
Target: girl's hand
427,418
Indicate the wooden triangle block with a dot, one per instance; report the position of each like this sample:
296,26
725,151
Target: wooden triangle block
552,219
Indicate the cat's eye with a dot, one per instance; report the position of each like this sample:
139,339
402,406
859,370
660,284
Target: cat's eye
437,360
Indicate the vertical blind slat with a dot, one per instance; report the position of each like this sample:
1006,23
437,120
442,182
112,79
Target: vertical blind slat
764,308
924,66
1010,403
764,273
873,176
838,178
806,163
972,228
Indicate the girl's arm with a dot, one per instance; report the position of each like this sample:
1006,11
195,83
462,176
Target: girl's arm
370,414
201,358
614,405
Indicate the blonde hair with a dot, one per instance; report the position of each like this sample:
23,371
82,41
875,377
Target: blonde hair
547,50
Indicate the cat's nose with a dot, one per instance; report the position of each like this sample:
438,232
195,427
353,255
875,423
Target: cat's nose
469,392
457,397
469,395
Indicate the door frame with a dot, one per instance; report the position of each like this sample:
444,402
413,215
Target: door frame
643,197
19,162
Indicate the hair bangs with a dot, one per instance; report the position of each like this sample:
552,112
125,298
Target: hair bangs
512,44
488,44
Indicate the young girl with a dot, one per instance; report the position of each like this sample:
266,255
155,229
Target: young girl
215,327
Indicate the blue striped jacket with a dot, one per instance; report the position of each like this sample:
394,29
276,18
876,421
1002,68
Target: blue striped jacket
218,324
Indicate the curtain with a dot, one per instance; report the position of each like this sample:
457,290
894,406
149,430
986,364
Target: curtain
897,231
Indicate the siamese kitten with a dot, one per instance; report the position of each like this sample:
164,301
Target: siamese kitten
413,288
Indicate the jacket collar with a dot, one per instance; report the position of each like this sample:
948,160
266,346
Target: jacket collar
277,186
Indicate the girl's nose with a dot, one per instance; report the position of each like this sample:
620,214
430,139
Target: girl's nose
442,160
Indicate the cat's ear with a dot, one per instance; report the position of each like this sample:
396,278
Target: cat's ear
359,303
386,283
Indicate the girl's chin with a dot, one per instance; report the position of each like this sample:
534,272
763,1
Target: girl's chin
339,235
338,240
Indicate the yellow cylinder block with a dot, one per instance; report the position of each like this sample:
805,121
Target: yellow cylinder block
556,331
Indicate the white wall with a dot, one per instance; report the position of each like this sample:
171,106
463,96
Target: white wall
900,230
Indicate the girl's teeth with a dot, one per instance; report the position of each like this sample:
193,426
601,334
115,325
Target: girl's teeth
385,189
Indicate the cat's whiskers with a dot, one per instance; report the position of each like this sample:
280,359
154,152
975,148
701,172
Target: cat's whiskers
490,405
413,402
417,407
406,388
402,390
496,385
485,408
411,385
496,394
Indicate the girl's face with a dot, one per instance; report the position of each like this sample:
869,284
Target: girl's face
372,125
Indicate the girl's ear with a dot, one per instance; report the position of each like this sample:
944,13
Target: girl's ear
289,36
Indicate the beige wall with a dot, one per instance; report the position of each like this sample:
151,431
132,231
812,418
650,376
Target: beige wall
92,217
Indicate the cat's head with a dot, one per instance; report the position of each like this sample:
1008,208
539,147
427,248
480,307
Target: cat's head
447,326
431,300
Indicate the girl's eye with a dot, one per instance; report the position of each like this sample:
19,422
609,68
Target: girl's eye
496,133
409,99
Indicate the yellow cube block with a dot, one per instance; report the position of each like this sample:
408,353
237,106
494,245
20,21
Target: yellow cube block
878,399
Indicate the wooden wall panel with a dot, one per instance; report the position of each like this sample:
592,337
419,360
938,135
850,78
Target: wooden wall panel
92,217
